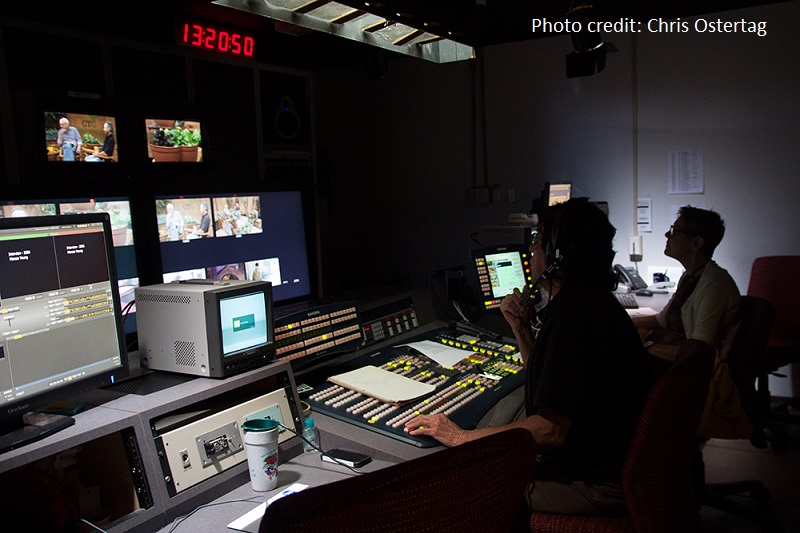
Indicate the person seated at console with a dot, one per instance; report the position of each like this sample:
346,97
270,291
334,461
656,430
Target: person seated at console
704,311
586,370
703,315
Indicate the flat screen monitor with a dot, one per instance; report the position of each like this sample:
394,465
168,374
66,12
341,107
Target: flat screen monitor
121,218
171,140
500,270
258,236
61,328
80,138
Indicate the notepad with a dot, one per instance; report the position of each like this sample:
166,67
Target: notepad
382,385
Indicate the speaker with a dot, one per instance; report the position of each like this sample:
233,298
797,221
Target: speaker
285,116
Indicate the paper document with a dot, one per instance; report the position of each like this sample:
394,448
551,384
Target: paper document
382,384
443,355
251,520
641,311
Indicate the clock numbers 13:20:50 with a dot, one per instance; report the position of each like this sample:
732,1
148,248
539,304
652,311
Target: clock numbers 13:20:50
219,40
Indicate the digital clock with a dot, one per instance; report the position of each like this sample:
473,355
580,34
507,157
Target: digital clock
213,38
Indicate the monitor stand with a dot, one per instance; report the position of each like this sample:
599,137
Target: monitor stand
41,425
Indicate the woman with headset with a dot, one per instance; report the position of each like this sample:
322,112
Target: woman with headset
586,372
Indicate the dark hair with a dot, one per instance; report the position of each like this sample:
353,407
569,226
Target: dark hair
706,224
584,237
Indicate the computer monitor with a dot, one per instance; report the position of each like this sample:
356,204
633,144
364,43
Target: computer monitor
500,270
60,321
121,217
558,193
257,236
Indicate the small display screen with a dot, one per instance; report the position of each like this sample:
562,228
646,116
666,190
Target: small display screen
243,321
77,137
171,140
506,273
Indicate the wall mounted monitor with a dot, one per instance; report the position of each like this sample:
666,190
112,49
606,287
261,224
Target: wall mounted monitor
174,140
500,270
60,321
558,193
239,236
74,137
121,220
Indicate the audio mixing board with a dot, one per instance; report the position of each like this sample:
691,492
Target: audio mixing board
465,392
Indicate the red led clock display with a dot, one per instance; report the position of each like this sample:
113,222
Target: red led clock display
208,37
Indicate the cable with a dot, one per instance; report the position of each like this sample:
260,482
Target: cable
320,450
92,525
178,521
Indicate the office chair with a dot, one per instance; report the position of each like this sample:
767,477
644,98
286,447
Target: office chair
745,361
477,486
775,278
657,477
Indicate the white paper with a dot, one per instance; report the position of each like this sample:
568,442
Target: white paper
644,215
685,172
251,520
444,355
382,384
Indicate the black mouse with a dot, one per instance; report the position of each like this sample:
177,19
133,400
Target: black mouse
644,292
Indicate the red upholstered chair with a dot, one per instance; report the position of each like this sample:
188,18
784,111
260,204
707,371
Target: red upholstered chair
657,474
477,486
745,360
777,280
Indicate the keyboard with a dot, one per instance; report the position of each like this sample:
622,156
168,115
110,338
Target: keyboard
627,299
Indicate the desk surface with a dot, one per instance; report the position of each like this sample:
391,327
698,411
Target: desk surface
307,469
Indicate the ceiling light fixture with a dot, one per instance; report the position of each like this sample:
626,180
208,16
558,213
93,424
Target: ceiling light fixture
358,25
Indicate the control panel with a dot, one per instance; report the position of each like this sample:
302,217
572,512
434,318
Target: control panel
489,370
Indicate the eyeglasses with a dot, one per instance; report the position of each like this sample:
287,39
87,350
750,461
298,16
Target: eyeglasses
673,230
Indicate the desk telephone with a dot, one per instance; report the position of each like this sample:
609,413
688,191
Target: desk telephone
630,277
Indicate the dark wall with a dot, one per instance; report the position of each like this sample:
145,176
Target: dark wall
236,102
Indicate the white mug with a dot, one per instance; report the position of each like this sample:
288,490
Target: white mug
261,444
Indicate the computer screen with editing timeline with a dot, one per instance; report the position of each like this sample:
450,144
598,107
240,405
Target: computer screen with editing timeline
121,218
60,320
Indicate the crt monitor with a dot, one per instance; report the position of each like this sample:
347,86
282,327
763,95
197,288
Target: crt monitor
258,236
500,270
60,321
121,217
209,328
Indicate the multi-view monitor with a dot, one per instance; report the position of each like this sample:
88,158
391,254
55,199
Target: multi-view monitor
249,236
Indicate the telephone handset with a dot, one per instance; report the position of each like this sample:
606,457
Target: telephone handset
630,277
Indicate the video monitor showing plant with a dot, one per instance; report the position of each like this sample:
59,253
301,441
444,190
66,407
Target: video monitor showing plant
75,137
174,141
237,215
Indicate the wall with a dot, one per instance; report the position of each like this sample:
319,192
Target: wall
405,142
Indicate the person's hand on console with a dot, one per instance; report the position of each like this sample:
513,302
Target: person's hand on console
439,427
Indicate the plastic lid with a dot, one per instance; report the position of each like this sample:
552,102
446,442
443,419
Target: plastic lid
259,424
309,423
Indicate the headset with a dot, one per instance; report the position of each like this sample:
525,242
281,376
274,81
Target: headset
553,258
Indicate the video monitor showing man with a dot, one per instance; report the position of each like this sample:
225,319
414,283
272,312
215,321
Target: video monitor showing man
184,219
237,216
76,137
